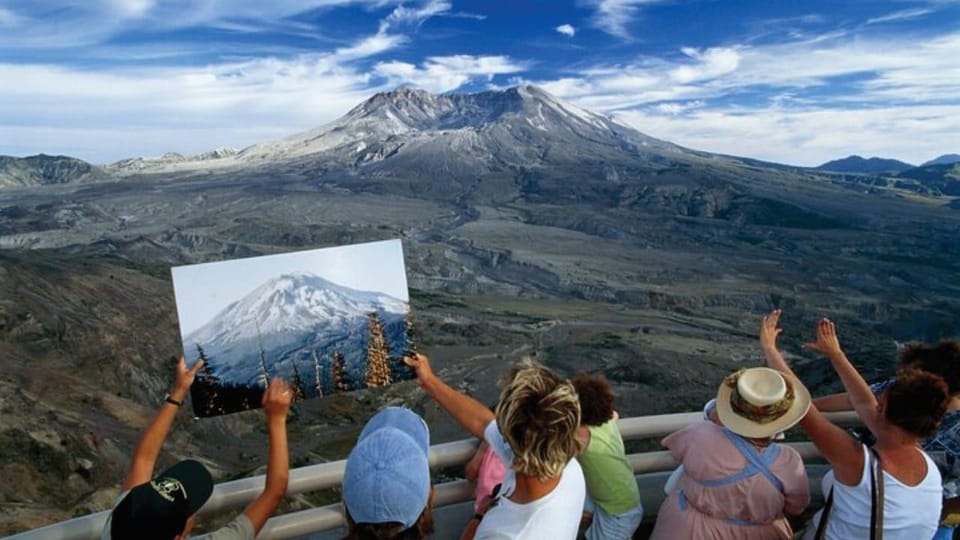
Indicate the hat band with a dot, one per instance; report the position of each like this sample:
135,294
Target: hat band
755,413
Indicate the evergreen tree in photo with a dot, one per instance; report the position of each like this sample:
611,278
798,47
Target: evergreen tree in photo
339,375
317,374
399,370
378,354
297,383
264,375
206,391
409,333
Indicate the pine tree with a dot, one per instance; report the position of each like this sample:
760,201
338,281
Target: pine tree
206,372
378,354
317,375
340,382
264,376
297,383
409,334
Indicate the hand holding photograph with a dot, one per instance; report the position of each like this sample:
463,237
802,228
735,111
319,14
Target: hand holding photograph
327,320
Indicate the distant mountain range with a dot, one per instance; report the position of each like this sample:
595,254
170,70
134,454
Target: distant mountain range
42,170
521,131
857,164
874,165
946,159
298,314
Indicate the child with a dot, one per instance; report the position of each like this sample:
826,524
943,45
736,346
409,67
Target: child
486,469
612,494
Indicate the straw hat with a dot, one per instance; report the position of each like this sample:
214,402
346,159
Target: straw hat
761,402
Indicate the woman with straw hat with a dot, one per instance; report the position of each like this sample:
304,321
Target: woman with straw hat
737,483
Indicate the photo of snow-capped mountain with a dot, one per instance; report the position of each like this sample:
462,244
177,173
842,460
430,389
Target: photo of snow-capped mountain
329,320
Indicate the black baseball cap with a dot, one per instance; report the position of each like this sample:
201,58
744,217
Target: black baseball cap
160,508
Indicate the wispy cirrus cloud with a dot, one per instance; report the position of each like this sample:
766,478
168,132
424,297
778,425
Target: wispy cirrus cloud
615,16
901,15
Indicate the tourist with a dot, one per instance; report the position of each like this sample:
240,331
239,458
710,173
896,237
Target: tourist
534,432
746,485
613,499
942,359
164,507
905,504
386,483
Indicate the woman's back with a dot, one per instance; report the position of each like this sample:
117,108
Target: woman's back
724,494
910,512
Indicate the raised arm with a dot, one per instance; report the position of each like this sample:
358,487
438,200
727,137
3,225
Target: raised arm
472,415
858,391
145,455
834,402
276,404
835,444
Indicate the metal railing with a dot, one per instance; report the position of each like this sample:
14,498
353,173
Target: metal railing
238,493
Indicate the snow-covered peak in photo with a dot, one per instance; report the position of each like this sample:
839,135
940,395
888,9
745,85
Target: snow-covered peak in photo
291,304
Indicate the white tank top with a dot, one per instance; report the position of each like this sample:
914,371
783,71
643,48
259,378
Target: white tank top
909,512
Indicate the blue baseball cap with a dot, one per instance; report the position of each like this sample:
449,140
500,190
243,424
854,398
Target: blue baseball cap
387,478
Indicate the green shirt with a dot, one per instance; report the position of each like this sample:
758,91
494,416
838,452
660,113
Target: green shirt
608,474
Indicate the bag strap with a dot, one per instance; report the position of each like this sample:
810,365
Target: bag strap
824,517
876,496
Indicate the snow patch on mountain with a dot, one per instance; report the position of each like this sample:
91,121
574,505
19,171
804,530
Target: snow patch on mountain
287,314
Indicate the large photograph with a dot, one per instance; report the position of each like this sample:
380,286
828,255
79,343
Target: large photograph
327,320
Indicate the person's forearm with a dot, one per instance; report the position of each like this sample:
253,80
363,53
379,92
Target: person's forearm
472,415
834,402
278,462
858,391
151,442
775,360
471,529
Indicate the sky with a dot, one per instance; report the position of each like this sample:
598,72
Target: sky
203,290
791,81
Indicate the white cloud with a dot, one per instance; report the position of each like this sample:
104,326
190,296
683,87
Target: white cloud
900,15
444,73
103,117
405,15
10,19
94,22
711,63
613,16
806,137
566,30
805,101
131,8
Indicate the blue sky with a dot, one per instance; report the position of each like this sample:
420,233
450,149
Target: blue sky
796,82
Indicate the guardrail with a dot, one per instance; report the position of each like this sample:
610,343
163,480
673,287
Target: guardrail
238,493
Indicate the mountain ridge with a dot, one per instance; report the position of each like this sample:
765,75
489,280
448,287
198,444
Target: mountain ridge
858,164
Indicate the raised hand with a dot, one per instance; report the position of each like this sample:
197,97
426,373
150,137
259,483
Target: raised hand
421,366
769,330
277,398
186,376
827,343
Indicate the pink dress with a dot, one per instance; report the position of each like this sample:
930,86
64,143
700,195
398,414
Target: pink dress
490,474
729,489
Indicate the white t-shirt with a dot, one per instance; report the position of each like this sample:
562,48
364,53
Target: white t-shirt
909,512
556,515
